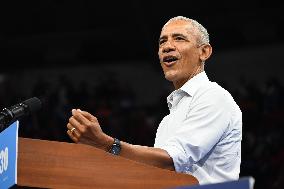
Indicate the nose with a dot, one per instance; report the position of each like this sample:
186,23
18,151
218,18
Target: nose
168,47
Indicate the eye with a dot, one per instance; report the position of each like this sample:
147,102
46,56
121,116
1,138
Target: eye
179,38
162,41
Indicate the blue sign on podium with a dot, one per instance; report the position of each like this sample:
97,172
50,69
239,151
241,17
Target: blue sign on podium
8,156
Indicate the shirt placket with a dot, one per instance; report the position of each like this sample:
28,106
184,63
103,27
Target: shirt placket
174,118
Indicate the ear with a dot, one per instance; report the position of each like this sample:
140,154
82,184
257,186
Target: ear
205,52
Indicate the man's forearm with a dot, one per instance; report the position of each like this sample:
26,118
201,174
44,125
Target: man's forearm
148,155
84,128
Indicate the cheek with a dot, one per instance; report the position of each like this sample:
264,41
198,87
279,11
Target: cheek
159,55
190,58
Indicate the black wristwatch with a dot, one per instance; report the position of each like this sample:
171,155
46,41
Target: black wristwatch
115,148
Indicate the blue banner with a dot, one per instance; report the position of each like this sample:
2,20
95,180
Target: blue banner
8,156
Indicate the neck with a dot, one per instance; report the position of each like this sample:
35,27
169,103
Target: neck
180,83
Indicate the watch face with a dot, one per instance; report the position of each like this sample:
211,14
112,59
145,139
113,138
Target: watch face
115,149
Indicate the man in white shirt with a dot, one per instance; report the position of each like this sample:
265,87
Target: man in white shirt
202,134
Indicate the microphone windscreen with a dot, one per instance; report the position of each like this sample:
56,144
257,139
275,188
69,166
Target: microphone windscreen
33,104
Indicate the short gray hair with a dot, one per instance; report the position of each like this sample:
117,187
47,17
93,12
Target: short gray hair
204,36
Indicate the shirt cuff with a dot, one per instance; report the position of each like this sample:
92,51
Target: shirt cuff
178,156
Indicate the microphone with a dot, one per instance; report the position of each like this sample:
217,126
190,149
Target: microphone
11,114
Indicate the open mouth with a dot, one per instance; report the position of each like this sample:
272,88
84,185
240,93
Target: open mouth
170,59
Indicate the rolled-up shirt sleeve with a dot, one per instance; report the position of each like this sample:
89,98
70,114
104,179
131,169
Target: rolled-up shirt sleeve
205,123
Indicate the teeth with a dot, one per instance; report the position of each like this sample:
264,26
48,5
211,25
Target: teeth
170,59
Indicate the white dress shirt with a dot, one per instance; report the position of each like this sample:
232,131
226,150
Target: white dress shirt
203,132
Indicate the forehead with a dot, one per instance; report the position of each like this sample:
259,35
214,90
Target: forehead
178,26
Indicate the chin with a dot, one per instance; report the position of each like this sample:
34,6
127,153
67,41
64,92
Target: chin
170,76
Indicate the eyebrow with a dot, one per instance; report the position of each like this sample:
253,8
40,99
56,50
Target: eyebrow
173,35
178,34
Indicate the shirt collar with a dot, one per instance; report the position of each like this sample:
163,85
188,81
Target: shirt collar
190,87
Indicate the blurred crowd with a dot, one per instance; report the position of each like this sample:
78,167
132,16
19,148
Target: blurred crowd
120,116
263,121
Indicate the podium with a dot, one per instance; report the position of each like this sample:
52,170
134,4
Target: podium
51,164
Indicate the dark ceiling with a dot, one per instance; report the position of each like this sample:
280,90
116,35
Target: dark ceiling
59,33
